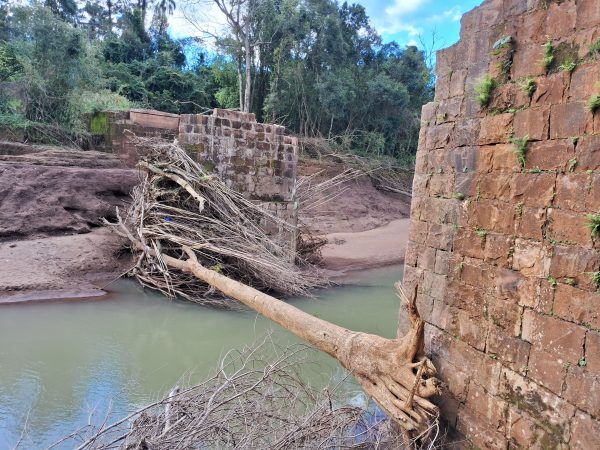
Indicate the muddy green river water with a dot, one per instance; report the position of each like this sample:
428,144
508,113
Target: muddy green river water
61,360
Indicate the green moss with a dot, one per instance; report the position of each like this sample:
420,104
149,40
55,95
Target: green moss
99,123
519,209
570,281
552,281
520,148
572,164
484,89
481,233
593,224
593,103
528,85
595,47
458,195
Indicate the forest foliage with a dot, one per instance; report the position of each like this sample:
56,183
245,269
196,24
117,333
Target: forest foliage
316,66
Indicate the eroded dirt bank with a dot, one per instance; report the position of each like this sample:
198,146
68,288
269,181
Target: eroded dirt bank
52,244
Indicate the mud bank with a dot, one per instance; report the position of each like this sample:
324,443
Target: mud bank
52,242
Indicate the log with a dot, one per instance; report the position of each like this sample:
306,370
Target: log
394,372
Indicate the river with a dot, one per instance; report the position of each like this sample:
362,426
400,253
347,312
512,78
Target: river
59,361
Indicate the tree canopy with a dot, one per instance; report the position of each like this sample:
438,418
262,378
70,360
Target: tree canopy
316,66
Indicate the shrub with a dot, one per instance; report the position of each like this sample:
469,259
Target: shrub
593,224
593,103
528,85
548,57
520,148
595,47
484,89
568,66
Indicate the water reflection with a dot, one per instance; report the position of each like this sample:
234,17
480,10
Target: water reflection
60,361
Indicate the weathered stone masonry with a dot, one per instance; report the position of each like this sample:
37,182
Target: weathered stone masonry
500,258
255,159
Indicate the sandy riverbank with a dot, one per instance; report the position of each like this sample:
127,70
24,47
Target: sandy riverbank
381,246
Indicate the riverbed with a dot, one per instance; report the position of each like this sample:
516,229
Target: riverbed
61,361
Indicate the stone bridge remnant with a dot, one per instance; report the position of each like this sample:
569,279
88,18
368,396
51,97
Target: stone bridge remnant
258,160
503,259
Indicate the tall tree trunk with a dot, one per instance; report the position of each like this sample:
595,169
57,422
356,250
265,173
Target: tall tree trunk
240,83
248,60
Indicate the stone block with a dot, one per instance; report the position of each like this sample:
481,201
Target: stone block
547,369
530,258
555,336
568,227
527,61
588,14
583,82
542,406
550,89
577,305
533,122
438,136
491,215
585,432
574,262
530,222
510,351
569,120
583,390
592,352
495,129
486,407
480,434
533,189
465,133
588,153
560,19
571,189
499,157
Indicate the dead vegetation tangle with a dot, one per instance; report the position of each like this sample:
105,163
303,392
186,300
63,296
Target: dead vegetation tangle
178,204
253,401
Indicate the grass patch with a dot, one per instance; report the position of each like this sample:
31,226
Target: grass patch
593,103
572,164
595,47
520,148
484,89
548,57
596,279
593,224
552,281
528,85
481,233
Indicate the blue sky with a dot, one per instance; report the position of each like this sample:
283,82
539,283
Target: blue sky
403,21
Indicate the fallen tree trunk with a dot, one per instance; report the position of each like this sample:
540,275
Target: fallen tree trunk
186,220
394,372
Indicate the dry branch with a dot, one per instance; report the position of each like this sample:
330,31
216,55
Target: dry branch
256,399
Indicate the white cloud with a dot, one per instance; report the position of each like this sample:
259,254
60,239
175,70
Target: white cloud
454,14
402,7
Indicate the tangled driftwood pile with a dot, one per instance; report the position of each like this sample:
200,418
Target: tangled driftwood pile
178,204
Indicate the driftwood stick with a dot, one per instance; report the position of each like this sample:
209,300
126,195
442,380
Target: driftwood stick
177,179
